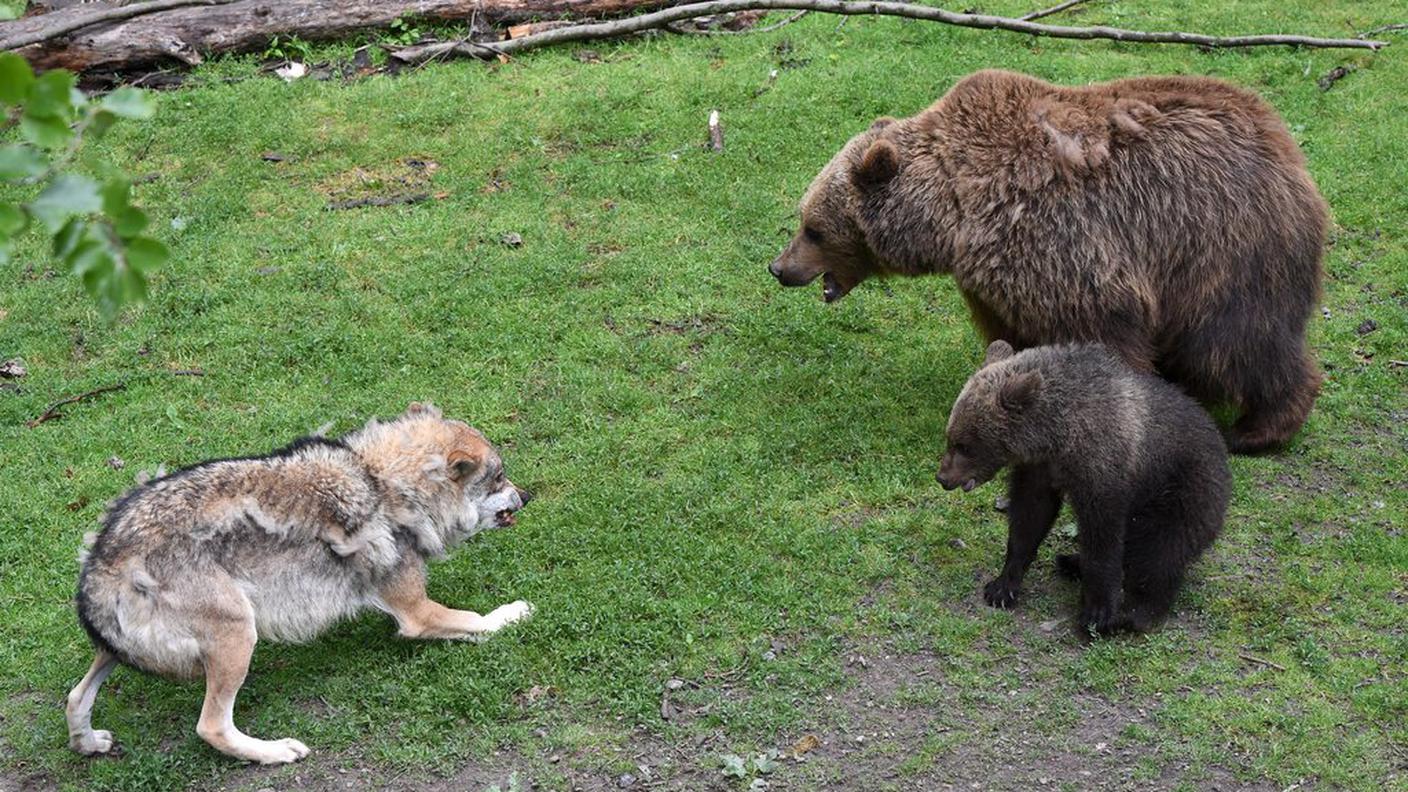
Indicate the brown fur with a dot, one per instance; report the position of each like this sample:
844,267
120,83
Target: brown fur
1171,218
192,569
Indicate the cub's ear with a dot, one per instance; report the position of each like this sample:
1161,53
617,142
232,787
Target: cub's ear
997,351
1019,391
423,408
879,165
461,465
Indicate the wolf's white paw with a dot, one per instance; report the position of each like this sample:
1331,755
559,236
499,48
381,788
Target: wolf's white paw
508,614
280,751
98,741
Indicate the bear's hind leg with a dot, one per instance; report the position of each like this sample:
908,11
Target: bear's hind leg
1276,398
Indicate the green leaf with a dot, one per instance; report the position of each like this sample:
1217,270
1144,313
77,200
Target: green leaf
69,237
51,95
99,123
129,222
7,13
12,220
145,254
734,766
116,194
91,258
45,131
130,103
15,78
67,195
20,162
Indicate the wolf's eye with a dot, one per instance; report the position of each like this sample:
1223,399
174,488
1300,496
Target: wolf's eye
813,236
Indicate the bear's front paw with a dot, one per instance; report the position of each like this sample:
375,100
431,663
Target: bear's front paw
1000,593
1100,618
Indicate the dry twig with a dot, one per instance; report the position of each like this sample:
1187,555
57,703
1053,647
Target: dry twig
1045,12
1250,658
52,411
665,17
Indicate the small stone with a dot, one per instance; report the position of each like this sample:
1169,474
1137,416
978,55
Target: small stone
512,239
554,759
1366,327
116,463
957,544
13,369
1325,312
626,781
769,655
674,684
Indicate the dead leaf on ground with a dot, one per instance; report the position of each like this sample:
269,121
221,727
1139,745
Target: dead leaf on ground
806,744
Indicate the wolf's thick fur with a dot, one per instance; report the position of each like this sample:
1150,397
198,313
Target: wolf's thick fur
192,568
1142,464
1171,218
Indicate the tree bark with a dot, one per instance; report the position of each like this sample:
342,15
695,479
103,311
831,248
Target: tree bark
188,34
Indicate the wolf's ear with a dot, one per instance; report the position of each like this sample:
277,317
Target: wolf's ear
998,350
423,408
1019,391
879,165
461,465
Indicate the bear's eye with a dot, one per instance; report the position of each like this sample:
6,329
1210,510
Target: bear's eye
813,236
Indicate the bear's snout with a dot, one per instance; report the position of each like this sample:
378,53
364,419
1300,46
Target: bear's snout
789,273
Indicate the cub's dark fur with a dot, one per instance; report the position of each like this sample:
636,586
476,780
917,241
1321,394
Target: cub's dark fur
1142,464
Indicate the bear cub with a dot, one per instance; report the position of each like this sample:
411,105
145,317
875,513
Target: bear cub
1143,466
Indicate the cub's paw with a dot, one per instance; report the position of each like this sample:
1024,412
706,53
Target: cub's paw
1068,566
999,593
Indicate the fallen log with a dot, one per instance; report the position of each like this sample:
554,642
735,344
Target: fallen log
188,33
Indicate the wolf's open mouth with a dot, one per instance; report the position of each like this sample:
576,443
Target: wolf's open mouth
505,517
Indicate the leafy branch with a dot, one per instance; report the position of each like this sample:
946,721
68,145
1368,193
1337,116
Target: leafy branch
95,230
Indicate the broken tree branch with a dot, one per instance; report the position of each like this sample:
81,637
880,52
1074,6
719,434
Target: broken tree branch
1384,29
675,28
1045,12
52,411
63,24
660,19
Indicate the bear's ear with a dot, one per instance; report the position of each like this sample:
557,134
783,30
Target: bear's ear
998,350
880,123
879,165
1019,390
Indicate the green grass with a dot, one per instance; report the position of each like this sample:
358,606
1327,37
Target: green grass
719,462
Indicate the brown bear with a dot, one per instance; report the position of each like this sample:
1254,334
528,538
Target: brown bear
1142,465
1171,218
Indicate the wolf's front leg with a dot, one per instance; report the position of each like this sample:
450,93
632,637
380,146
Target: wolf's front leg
403,596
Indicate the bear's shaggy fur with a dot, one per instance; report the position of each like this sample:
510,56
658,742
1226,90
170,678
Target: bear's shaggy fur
1171,218
1143,466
